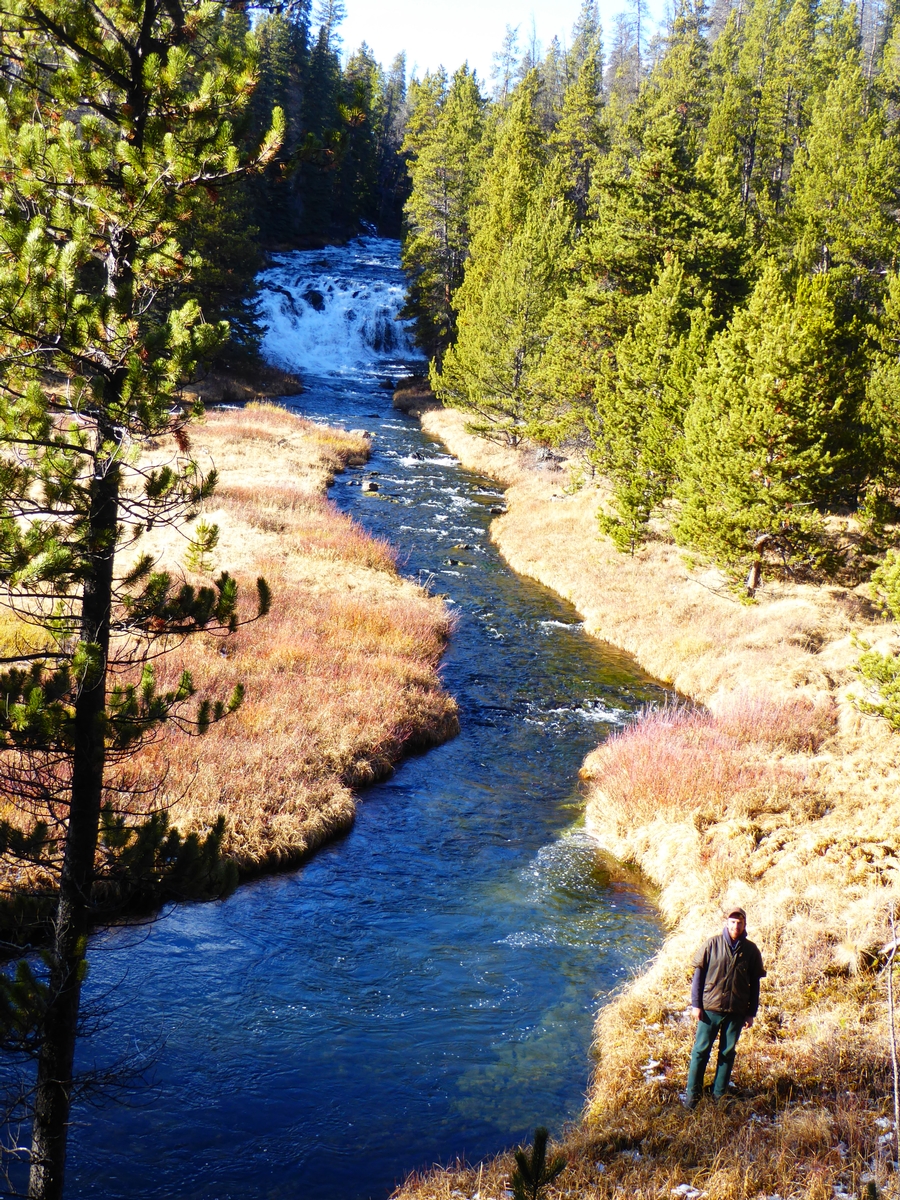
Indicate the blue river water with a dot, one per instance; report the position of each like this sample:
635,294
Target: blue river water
423,989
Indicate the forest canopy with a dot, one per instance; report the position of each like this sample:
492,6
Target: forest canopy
678,261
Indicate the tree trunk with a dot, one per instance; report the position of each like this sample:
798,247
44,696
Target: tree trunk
55,1062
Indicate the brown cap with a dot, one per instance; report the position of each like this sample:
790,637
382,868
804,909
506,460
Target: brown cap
737,912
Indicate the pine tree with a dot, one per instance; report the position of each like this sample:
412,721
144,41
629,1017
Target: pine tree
444,143
730,139
427,97
94,344
317,158
880,428
505,69
223,234
587,40
276,195
783,77
584,322
759,454
765,77
389,120
521,230
640,403
580,138
651,198
488,373
554,73
357,169
530,59
846,189
623,77
533,1173
512,175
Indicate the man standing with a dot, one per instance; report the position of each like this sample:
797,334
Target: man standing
724,1000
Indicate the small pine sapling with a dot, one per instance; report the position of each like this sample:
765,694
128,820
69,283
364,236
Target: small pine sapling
533,1173
880,674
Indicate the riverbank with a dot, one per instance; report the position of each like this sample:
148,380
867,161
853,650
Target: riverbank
781,798
251,382
340,678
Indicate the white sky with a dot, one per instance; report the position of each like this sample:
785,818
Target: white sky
449,32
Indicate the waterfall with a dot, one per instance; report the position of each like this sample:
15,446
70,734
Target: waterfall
336,311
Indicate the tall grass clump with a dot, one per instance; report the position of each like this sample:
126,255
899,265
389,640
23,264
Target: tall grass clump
671,762
675,761
794,723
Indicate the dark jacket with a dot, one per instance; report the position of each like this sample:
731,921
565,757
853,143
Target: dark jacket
727,975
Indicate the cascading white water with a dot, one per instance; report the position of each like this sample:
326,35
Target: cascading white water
322,315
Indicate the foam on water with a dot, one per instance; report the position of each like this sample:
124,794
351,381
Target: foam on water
321,316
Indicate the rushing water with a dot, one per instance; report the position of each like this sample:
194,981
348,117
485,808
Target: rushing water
424,988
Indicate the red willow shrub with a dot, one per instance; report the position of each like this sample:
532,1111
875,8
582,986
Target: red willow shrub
678,760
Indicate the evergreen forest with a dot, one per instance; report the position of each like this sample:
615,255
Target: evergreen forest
677,261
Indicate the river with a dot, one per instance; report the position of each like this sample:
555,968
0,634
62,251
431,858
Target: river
425,988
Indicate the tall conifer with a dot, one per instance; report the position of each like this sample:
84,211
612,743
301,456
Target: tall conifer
111,123
580,138
520,234
846,188
587,40
650,198
444,143
880,427
641,399
758,458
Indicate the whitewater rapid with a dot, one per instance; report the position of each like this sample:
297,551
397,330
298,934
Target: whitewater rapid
336,311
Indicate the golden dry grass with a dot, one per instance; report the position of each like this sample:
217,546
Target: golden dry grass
780,798
340,678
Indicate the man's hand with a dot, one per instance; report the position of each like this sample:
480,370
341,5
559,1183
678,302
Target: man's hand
698,1013
748,1024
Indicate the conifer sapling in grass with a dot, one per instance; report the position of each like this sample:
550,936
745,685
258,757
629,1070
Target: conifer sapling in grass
533,1173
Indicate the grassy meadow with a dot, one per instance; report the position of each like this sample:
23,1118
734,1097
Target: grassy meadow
776,795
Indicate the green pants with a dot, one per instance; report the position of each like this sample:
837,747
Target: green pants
712,1025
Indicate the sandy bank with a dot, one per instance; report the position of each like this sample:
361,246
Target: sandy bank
782,799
